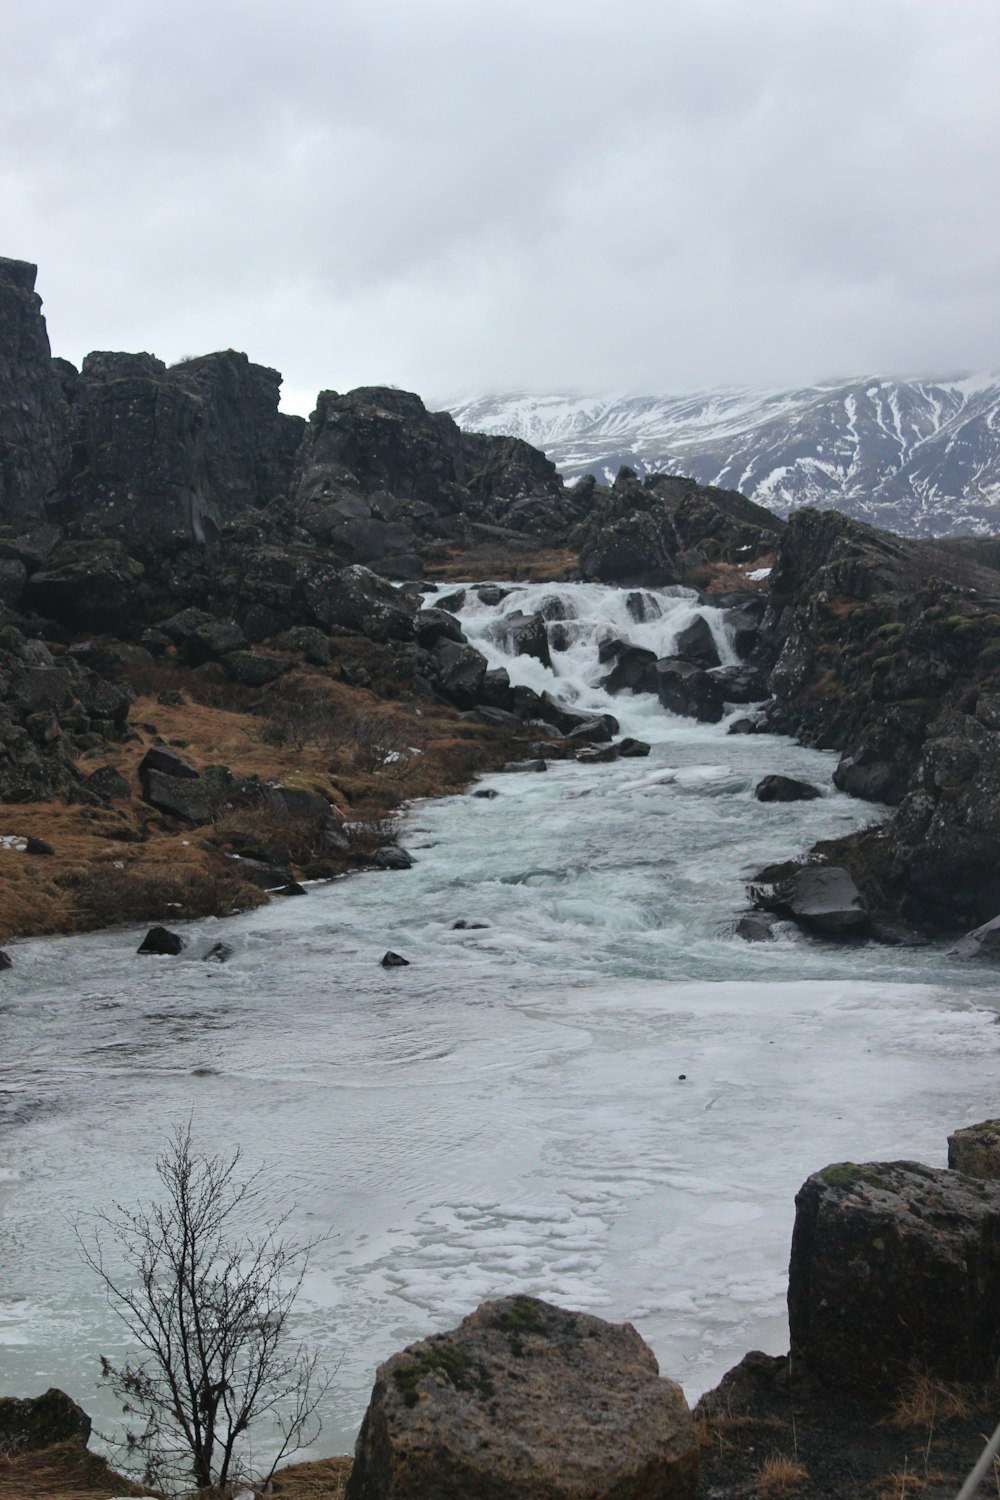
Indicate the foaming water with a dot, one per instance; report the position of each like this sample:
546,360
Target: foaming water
599,1096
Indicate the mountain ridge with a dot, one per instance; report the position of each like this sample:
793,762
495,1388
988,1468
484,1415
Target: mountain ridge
916,455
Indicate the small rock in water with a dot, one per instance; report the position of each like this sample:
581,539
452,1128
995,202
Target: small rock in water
219,953
161,940
463,926
392,857
486,792
293,888
754,928
6,962
526,765
632,749
392,960
785,789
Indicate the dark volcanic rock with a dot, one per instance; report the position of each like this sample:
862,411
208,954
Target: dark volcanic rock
33,411
686,689
634,669
392,960
392,857
40,1422
87,585
825,901
161,940
975,1151
524,635
178,796
785,789
525,1401
895,1267
628,537
460,672
697,643
740,684
161,457
357,599
162,758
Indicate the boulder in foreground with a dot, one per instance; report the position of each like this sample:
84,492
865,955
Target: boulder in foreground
976,1150
525,1401
895,1267
40,1421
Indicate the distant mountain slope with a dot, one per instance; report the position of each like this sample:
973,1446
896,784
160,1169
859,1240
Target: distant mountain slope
920,457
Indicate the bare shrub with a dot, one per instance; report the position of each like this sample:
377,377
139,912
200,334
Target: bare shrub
209,1305
107,896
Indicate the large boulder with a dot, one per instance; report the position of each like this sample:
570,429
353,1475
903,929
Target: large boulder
36,1422
525,1401
976,1150
894,1267
357,599
686,689
825,901
634,668
697,643
461,672
524,635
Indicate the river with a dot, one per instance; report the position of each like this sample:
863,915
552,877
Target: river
601,1096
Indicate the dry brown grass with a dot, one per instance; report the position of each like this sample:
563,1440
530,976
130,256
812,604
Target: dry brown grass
728,1433
66,1471
923,1400
126,864
780,1475
731,578
325,1479
519,562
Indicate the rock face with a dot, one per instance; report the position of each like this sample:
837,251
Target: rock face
162,457
895,1266
33,412
38,1422
525,1401
975,1151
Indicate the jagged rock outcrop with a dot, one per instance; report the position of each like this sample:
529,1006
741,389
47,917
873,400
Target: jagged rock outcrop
28,1423
895,1267
33,411
525,1401
655,532
163,456
52,708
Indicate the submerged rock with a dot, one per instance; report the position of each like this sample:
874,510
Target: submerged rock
529,1402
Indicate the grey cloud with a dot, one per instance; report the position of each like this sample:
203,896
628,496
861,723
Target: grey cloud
460,194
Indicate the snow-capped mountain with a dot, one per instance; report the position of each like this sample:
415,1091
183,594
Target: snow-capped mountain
920,457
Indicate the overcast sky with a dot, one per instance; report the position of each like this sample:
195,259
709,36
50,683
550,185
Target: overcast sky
457,196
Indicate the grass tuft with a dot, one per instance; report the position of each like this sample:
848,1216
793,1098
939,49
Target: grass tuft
780,1475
